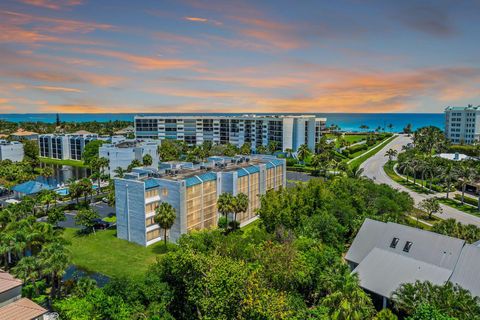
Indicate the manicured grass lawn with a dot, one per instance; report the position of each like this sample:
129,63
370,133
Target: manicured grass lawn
458,205
410,185
73,163
371,152
353,138
103,252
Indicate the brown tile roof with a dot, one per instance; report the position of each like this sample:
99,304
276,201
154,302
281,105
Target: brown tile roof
22,132
7,282
22,309
82,132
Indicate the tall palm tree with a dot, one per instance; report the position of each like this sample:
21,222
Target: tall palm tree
289,152
316,161
466,175
448,175
391,153
54,261
240,205
165,217
119,172
225,205
303,152
28,270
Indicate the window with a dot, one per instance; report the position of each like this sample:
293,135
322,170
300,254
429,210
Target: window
407,246
394,243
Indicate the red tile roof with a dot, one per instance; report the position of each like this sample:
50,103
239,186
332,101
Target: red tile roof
22,309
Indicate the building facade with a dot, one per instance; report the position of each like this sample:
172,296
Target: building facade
64,146
290,132
193,191
462,124
11,150
123,153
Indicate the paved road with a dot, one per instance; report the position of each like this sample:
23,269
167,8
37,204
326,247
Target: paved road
373,169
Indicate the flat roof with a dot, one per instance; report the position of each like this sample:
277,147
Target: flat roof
244,116
22,309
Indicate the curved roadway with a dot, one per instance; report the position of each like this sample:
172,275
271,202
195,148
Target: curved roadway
373,169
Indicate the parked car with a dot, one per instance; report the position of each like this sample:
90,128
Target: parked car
100,224
105,200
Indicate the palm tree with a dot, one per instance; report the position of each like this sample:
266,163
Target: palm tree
165,217
119,172
54,261
364,127
466,175
240,205
289,152
390,127
135,163
303,152
225,205
28,270
448,175
46,197
391,153
316,161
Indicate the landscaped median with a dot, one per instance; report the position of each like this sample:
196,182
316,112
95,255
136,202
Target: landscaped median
388,168
356,162
104,253
73,163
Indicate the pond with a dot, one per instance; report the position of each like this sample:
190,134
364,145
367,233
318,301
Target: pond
75,272
63,173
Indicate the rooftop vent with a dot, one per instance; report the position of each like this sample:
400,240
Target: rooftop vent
394,243
407,246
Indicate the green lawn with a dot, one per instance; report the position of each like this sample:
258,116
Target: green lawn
352,138
103,252
462,207
73,163
370,153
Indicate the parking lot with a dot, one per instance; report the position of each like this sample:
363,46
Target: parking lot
102,208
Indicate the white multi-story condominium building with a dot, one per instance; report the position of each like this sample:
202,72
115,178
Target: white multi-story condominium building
290,132
64,146
123,153
193,191
462,124
11,150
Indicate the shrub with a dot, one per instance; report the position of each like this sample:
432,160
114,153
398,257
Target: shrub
466,199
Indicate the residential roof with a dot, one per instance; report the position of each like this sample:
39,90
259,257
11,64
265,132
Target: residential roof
198,179
151,183
21,132
81,132
31,187
385,262
22,309
7,282
128,129
383,271
466,270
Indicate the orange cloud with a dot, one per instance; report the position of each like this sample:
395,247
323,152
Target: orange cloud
203,20
62,89
53,4
144,62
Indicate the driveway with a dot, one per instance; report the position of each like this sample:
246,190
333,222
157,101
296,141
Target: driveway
373,169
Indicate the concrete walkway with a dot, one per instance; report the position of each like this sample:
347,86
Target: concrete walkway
373,169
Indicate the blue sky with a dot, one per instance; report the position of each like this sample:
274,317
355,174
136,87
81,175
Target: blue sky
238,56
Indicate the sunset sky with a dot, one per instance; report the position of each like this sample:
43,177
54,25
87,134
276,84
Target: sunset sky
238,56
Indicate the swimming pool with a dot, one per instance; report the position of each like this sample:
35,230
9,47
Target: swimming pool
66,192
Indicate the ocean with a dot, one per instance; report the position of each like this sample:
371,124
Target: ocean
346,121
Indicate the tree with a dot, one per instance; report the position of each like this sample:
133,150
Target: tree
55,215
86,218
98,166
75,190
428,312
86,188
466,175
47,172
303,152
289,152
225,204
47,197
240,205
90,152
147,160
134,164
273,146
246,148
31,149
57,120
364,127
431,206
448,174
54,261
390,127
261,149
165,217
408,128
28,270
391,153
169,150
119,172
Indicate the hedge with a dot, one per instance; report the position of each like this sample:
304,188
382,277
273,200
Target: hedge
468,200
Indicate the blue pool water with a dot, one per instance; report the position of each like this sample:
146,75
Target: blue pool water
346,121
65,191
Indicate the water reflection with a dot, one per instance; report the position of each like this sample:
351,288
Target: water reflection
63,173
73,272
